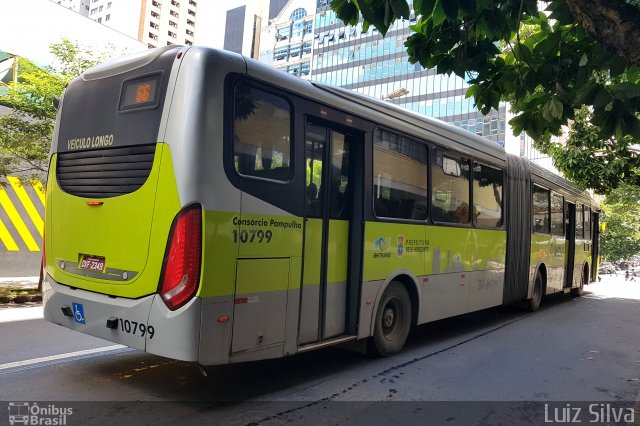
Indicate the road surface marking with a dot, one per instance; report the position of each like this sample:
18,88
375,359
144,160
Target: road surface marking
26,202
58,357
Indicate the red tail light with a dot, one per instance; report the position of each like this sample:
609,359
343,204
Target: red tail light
181,269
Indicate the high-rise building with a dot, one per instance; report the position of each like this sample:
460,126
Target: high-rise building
377,66
287,39
153,22
78,6
242,29
164,22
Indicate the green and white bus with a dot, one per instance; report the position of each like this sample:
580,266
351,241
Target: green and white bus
206,207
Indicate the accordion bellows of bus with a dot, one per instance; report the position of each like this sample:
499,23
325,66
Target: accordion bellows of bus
205,207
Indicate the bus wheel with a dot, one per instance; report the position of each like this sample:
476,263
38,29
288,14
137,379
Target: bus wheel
536,297
579,291
393,321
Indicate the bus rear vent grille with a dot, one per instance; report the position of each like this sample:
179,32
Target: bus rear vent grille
104,173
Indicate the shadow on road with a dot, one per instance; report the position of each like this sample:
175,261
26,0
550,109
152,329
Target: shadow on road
166,379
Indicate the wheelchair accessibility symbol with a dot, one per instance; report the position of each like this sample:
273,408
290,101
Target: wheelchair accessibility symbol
78,313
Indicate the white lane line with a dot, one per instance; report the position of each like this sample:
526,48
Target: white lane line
50,358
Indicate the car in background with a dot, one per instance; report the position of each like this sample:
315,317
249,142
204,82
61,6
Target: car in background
606,268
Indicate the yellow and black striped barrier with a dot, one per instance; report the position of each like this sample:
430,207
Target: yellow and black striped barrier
21,215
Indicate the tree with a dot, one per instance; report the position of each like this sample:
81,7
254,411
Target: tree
579,54
621,210
25,133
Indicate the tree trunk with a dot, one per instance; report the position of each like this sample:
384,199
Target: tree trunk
614,24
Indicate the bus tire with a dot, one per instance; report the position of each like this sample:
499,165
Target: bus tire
536,297
393,321
579,291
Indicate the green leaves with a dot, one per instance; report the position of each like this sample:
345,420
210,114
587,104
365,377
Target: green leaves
25,133
400,8
450,8
347,10
547,67
552,109
621,210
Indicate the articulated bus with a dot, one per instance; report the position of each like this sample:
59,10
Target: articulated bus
205,207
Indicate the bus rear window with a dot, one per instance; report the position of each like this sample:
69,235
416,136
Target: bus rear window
140,93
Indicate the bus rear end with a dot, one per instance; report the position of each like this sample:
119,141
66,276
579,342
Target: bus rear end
122,254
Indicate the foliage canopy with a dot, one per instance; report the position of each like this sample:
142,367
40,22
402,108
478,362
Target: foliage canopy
549,65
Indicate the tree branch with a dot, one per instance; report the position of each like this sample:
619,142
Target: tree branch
612,23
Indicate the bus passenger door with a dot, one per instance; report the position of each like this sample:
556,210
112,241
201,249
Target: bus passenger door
570,232
328,201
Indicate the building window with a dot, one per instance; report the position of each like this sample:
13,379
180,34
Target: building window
108,17
450,189
173,24
156,4
280,53
191,12
100,9
171,34
298,14
283,33
150,46
400,176
154,14
192,3
190,33
190,22
153,36
261,134
175,3
153,25
109,5
169,43
188,43
100,20
173,13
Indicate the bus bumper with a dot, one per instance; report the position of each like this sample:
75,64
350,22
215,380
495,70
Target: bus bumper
145,324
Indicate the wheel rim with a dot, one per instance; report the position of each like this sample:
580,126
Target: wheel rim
537,289
392,318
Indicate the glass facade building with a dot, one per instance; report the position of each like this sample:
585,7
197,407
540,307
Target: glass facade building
367,63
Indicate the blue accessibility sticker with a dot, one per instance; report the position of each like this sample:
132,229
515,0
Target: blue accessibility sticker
78,313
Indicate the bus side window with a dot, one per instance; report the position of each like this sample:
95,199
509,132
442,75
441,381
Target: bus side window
400,176
487,196
450,189
262,134
541,215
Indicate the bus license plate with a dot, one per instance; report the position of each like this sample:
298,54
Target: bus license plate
92,263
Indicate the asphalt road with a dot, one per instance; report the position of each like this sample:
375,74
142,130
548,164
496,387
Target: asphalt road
518,367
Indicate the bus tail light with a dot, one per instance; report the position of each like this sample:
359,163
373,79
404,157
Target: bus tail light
181,268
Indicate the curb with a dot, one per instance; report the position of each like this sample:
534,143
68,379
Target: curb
23,298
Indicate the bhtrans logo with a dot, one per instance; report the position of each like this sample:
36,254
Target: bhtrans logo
99,141
27,413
